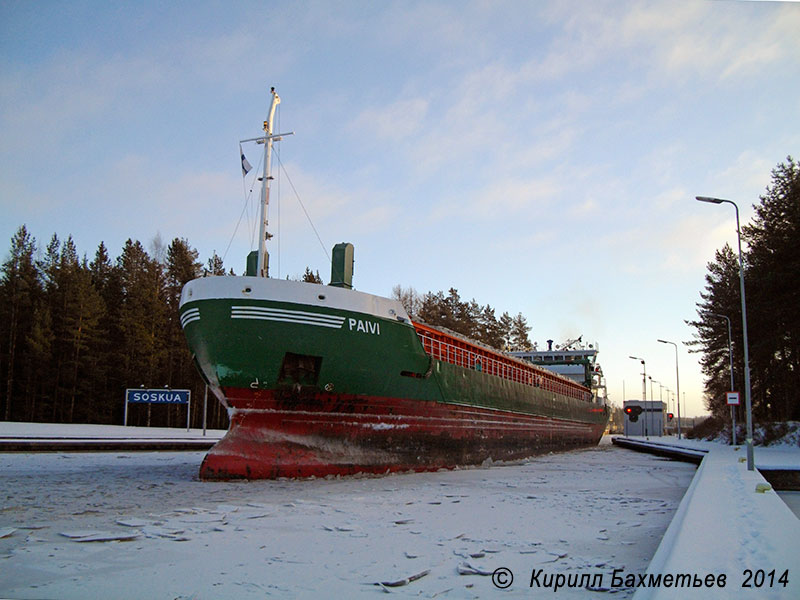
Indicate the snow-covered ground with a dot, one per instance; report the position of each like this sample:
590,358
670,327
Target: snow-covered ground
14,430
141,525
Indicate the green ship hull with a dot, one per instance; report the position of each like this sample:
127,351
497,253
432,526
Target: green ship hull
323,380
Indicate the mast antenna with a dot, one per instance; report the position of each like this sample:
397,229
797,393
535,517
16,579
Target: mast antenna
267,139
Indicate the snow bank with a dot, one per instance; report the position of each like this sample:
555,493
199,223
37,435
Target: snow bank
61,430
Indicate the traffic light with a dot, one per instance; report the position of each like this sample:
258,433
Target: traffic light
670,416
633,413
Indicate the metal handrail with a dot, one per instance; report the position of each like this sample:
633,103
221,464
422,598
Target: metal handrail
469,359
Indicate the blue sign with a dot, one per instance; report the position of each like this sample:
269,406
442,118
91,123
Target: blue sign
157,396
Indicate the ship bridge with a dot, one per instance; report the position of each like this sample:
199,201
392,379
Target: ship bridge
573,360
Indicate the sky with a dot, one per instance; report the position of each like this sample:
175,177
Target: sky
539,157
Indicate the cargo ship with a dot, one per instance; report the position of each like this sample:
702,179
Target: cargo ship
325,380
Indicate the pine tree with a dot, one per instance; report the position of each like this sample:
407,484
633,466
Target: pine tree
142,317
101,268
39,358
506,325
182,266
772,284
773,295
452,312
310,277
107,380
20,289
82,323
215,266
490,328
432,309
519,334
721,297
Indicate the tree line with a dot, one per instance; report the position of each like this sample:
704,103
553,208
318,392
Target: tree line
76,333
771,259
468,318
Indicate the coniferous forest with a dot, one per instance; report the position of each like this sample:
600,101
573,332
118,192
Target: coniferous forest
75,333
771,258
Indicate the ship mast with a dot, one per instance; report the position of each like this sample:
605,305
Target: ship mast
266,178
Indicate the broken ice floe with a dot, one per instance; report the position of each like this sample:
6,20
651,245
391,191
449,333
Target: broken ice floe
99,536
132,522
467,568
404,581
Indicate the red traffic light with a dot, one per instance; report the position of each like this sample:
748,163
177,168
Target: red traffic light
670,416
633,412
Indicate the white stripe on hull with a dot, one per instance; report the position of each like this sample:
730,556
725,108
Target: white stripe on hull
287,316
192,314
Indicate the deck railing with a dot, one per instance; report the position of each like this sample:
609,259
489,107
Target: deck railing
467,356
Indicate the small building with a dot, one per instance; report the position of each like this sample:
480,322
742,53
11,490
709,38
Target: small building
644,417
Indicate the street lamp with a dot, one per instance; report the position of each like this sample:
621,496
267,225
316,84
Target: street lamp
730,356
644,377
644,388
652,397
669,395
678,379
748,406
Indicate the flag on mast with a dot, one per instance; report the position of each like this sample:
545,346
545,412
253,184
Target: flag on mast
246,166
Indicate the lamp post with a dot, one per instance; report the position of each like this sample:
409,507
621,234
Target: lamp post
653,398
644,388
678,380
730,356
748,406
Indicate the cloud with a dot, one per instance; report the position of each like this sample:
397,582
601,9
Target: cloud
729,40
749,171
688,244
666,245
503,200
393,122
717,39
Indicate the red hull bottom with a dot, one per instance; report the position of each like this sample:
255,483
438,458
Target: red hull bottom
273,435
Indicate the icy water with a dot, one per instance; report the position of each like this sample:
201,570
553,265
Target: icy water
131,525
792,500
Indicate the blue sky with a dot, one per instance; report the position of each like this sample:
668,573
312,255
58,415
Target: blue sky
541,157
